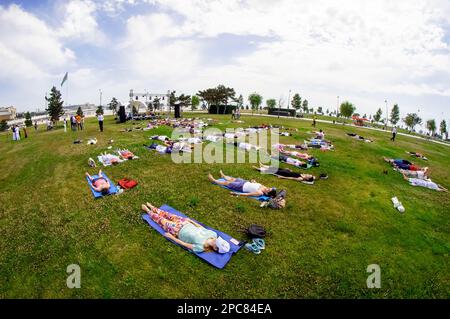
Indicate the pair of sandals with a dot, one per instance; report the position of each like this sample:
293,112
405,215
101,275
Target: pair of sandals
256,245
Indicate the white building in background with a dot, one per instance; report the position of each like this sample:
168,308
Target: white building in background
7,113
141,100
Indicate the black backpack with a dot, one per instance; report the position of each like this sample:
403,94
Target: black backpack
255,231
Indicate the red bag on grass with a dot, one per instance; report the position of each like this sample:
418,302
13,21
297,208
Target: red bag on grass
127,183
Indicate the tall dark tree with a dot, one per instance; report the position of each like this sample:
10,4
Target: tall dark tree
156,103
79,111
320,110
55,105
296,101
3,126
305,105
431,126
443,128
28,121
395,114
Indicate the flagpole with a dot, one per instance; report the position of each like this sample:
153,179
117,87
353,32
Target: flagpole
67,92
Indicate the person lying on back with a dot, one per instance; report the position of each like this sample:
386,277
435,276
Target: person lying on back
242,187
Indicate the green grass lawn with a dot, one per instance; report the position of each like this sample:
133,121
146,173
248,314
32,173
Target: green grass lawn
319,246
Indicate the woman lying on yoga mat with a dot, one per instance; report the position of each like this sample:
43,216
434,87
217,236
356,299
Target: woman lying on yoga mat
186,232
243,187
402,164
286,173
100,184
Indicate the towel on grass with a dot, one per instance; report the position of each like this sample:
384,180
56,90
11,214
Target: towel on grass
213,258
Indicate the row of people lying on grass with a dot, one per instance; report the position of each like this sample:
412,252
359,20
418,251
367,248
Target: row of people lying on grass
414,174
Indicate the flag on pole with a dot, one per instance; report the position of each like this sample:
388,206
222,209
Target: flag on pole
65,78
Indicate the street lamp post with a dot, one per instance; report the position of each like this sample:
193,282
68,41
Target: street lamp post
387,115
100,96
337,108
289,99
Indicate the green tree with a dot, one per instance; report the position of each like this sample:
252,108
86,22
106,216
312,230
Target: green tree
411,120
431,126
219,95
255,100
271,103
347,109
55,105
320,110
305,106
156,103
3,126
99,110
28,121
395,114
195,102
296,101
80,111
443,128
113,105
377,116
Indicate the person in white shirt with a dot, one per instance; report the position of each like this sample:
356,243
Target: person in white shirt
100,121
394,133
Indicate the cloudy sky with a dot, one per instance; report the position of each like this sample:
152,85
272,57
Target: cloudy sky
363,51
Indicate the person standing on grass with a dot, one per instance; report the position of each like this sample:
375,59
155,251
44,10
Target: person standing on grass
78,119
238,113
394,133
314,121
25,132
233,114
100,121
73,123
35,125
65,125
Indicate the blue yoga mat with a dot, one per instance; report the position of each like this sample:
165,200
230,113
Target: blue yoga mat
213,258
262,198
112,190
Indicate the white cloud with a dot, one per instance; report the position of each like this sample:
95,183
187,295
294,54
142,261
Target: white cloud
80,22
29,49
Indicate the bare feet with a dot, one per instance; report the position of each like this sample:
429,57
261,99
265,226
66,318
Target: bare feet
145,208
150,205
222,174
211,178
